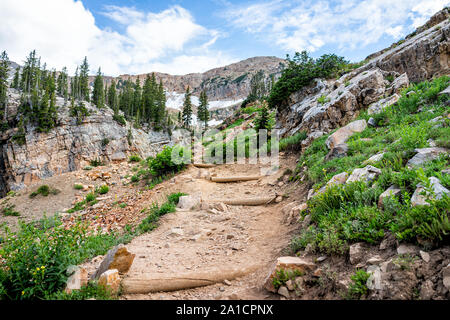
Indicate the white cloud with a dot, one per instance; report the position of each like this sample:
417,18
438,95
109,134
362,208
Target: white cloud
64,31
347,24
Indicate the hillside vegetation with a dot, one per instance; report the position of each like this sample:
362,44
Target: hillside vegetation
343,214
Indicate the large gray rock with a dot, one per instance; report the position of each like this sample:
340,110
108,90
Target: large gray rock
368,174
374,281
344,133
392,191
438,189
78,278
424,155
117,258
446,277
375,158
189,202
357,252
382,104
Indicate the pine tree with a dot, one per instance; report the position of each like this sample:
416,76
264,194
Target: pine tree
137,97
112,98
263,121
202,112
62,84
4,69
160,104
98,93
84,80
187,109
16,80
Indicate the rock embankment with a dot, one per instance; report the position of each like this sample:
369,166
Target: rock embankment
70,146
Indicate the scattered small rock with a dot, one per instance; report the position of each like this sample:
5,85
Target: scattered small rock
111,280
283,291
425,256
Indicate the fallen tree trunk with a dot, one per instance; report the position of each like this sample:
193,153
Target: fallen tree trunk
235,179
247,202
157,282
204,165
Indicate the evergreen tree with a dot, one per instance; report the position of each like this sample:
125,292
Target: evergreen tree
203,112
16,80
137,97
263,121
4,69
112,97
84,80
98,93
187,109
160,104
62,84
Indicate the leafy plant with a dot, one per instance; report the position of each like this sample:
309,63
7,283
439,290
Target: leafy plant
358,287
134,158
9,211
102,189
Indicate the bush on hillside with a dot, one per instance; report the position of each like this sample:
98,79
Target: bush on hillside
300,72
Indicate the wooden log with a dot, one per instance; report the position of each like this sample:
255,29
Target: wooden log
248,201
157,282
204,165
234,179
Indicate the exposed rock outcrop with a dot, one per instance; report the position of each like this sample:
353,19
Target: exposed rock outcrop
69,146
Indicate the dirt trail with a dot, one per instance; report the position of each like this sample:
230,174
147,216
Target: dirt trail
212,241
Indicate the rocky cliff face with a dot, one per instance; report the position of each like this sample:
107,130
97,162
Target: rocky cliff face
423,55
69,146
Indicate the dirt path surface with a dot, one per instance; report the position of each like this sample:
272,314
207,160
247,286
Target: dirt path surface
216,238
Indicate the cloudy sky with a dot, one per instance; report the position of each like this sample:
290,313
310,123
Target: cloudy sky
183,36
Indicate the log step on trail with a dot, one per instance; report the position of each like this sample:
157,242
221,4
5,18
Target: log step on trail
247,201
157,282
234,179
204,165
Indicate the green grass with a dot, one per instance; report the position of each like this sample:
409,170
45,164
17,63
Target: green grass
44,190
292,143
10,212
134,158
78,186
104,189
346,214
358,287
35,258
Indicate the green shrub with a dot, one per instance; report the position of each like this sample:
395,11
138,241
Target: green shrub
9,211
282,276
96,163
35,259
293,142
92,290
105,142
119,119
162,164
323,99
90,197
175,197
44,190
300,72
135,178
358,287
134,158
122,205
102,189
78,186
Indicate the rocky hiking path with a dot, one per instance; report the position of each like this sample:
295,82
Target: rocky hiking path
235,244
